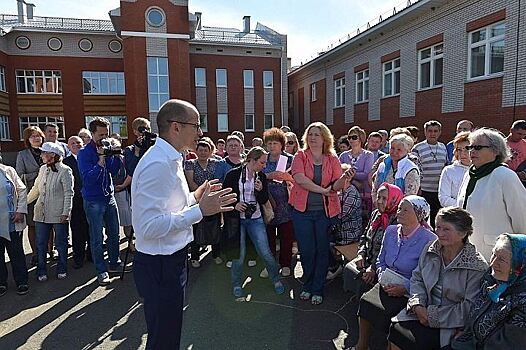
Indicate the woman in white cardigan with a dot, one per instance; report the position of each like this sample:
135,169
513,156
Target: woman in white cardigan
491,192
453,175
53,192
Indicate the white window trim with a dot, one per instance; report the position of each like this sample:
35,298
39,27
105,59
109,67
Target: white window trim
59,120
226,78
432,59
358,81
252,73
89,118
3,85
55,79
486,42
264,117
272,77
4,126
119,75
157,76
221,130
393,70
253,122
195,76
313,97
342,88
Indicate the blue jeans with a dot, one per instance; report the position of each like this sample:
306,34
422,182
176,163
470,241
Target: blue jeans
61,242
100,214
311,231
255,228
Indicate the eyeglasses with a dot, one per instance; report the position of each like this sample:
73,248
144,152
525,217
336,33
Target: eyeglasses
353,137
290,143
196,126
476,147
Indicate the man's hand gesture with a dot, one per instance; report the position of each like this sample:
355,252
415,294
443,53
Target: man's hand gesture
212,199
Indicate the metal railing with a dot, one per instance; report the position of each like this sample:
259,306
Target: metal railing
57,22
233,36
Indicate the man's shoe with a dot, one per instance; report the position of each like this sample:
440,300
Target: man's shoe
3,290
103,279
22,289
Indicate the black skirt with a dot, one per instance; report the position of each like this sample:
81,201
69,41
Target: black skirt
352,280
378,307
412,335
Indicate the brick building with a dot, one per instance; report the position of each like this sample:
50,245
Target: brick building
67,71
436,59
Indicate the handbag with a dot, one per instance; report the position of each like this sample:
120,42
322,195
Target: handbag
268,212
208,230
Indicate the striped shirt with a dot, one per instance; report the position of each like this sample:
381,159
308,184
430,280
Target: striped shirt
433,159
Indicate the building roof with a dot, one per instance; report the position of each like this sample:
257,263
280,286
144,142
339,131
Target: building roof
9,23
235,36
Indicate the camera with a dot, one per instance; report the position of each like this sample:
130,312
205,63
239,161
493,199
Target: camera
250,210
108,148
148,138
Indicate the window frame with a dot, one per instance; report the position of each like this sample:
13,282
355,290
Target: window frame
197,82
218,116
111,118
59,120
393,72
56,80
313,92
271,115
363,80
339,90
247,129
432,60
246,71
98,75
268,73
157,76
226,78
5,134
3,85
487,53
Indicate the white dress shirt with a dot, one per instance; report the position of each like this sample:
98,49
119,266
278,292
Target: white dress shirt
163,209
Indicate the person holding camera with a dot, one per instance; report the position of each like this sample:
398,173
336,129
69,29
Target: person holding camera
145,139
97,162
250,184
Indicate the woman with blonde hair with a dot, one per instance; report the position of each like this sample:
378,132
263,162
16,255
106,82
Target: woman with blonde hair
452,175
318,177
292,145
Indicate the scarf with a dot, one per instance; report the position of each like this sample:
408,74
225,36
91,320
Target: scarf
477,174
421,208
36,152
394,196
518,266
405,165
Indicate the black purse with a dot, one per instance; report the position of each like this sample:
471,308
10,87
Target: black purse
208,230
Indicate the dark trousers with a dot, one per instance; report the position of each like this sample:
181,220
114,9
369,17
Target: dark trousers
15,250
79,231
411,335
161,281
434,203
194,250
286,236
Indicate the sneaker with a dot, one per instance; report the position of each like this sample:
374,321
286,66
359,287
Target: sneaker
3,290
103,279
285,272
22,289
62,276
195,263
264,273
332,275
218,260
279,288
252,263
42,278
229,264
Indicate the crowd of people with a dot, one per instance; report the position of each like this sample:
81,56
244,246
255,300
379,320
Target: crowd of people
438,230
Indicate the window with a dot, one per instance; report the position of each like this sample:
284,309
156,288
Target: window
200,77
313,92
203,122
339,92
41,122
362,86
392,78
103,83
38,82
249,122
222,122
268,121
155,17
4,128
118,124
268,79
486,51
221,78
248,79
158,89
430,66
3,86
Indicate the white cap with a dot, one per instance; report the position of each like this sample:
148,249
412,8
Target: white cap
53,147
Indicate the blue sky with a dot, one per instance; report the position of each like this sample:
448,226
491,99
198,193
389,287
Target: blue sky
310,25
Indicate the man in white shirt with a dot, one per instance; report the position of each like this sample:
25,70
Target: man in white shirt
163,212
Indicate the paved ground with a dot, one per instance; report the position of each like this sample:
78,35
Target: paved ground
78,314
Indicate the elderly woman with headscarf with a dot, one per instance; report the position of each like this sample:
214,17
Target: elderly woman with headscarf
388,198
401,248
498,317
491,191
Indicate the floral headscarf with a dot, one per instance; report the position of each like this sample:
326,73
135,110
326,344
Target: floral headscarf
394,196
421,208
518,265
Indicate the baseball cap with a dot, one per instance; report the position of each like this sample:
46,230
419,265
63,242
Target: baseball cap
52,147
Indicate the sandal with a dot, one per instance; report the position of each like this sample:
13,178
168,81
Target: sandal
316,300
304,295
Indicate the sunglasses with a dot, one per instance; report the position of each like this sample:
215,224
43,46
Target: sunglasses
476,147
353,137
290,143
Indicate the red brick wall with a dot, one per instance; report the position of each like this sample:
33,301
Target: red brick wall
317,108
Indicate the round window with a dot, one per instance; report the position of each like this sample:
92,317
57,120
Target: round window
23,42
85,45
155,17
54,44
115,46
